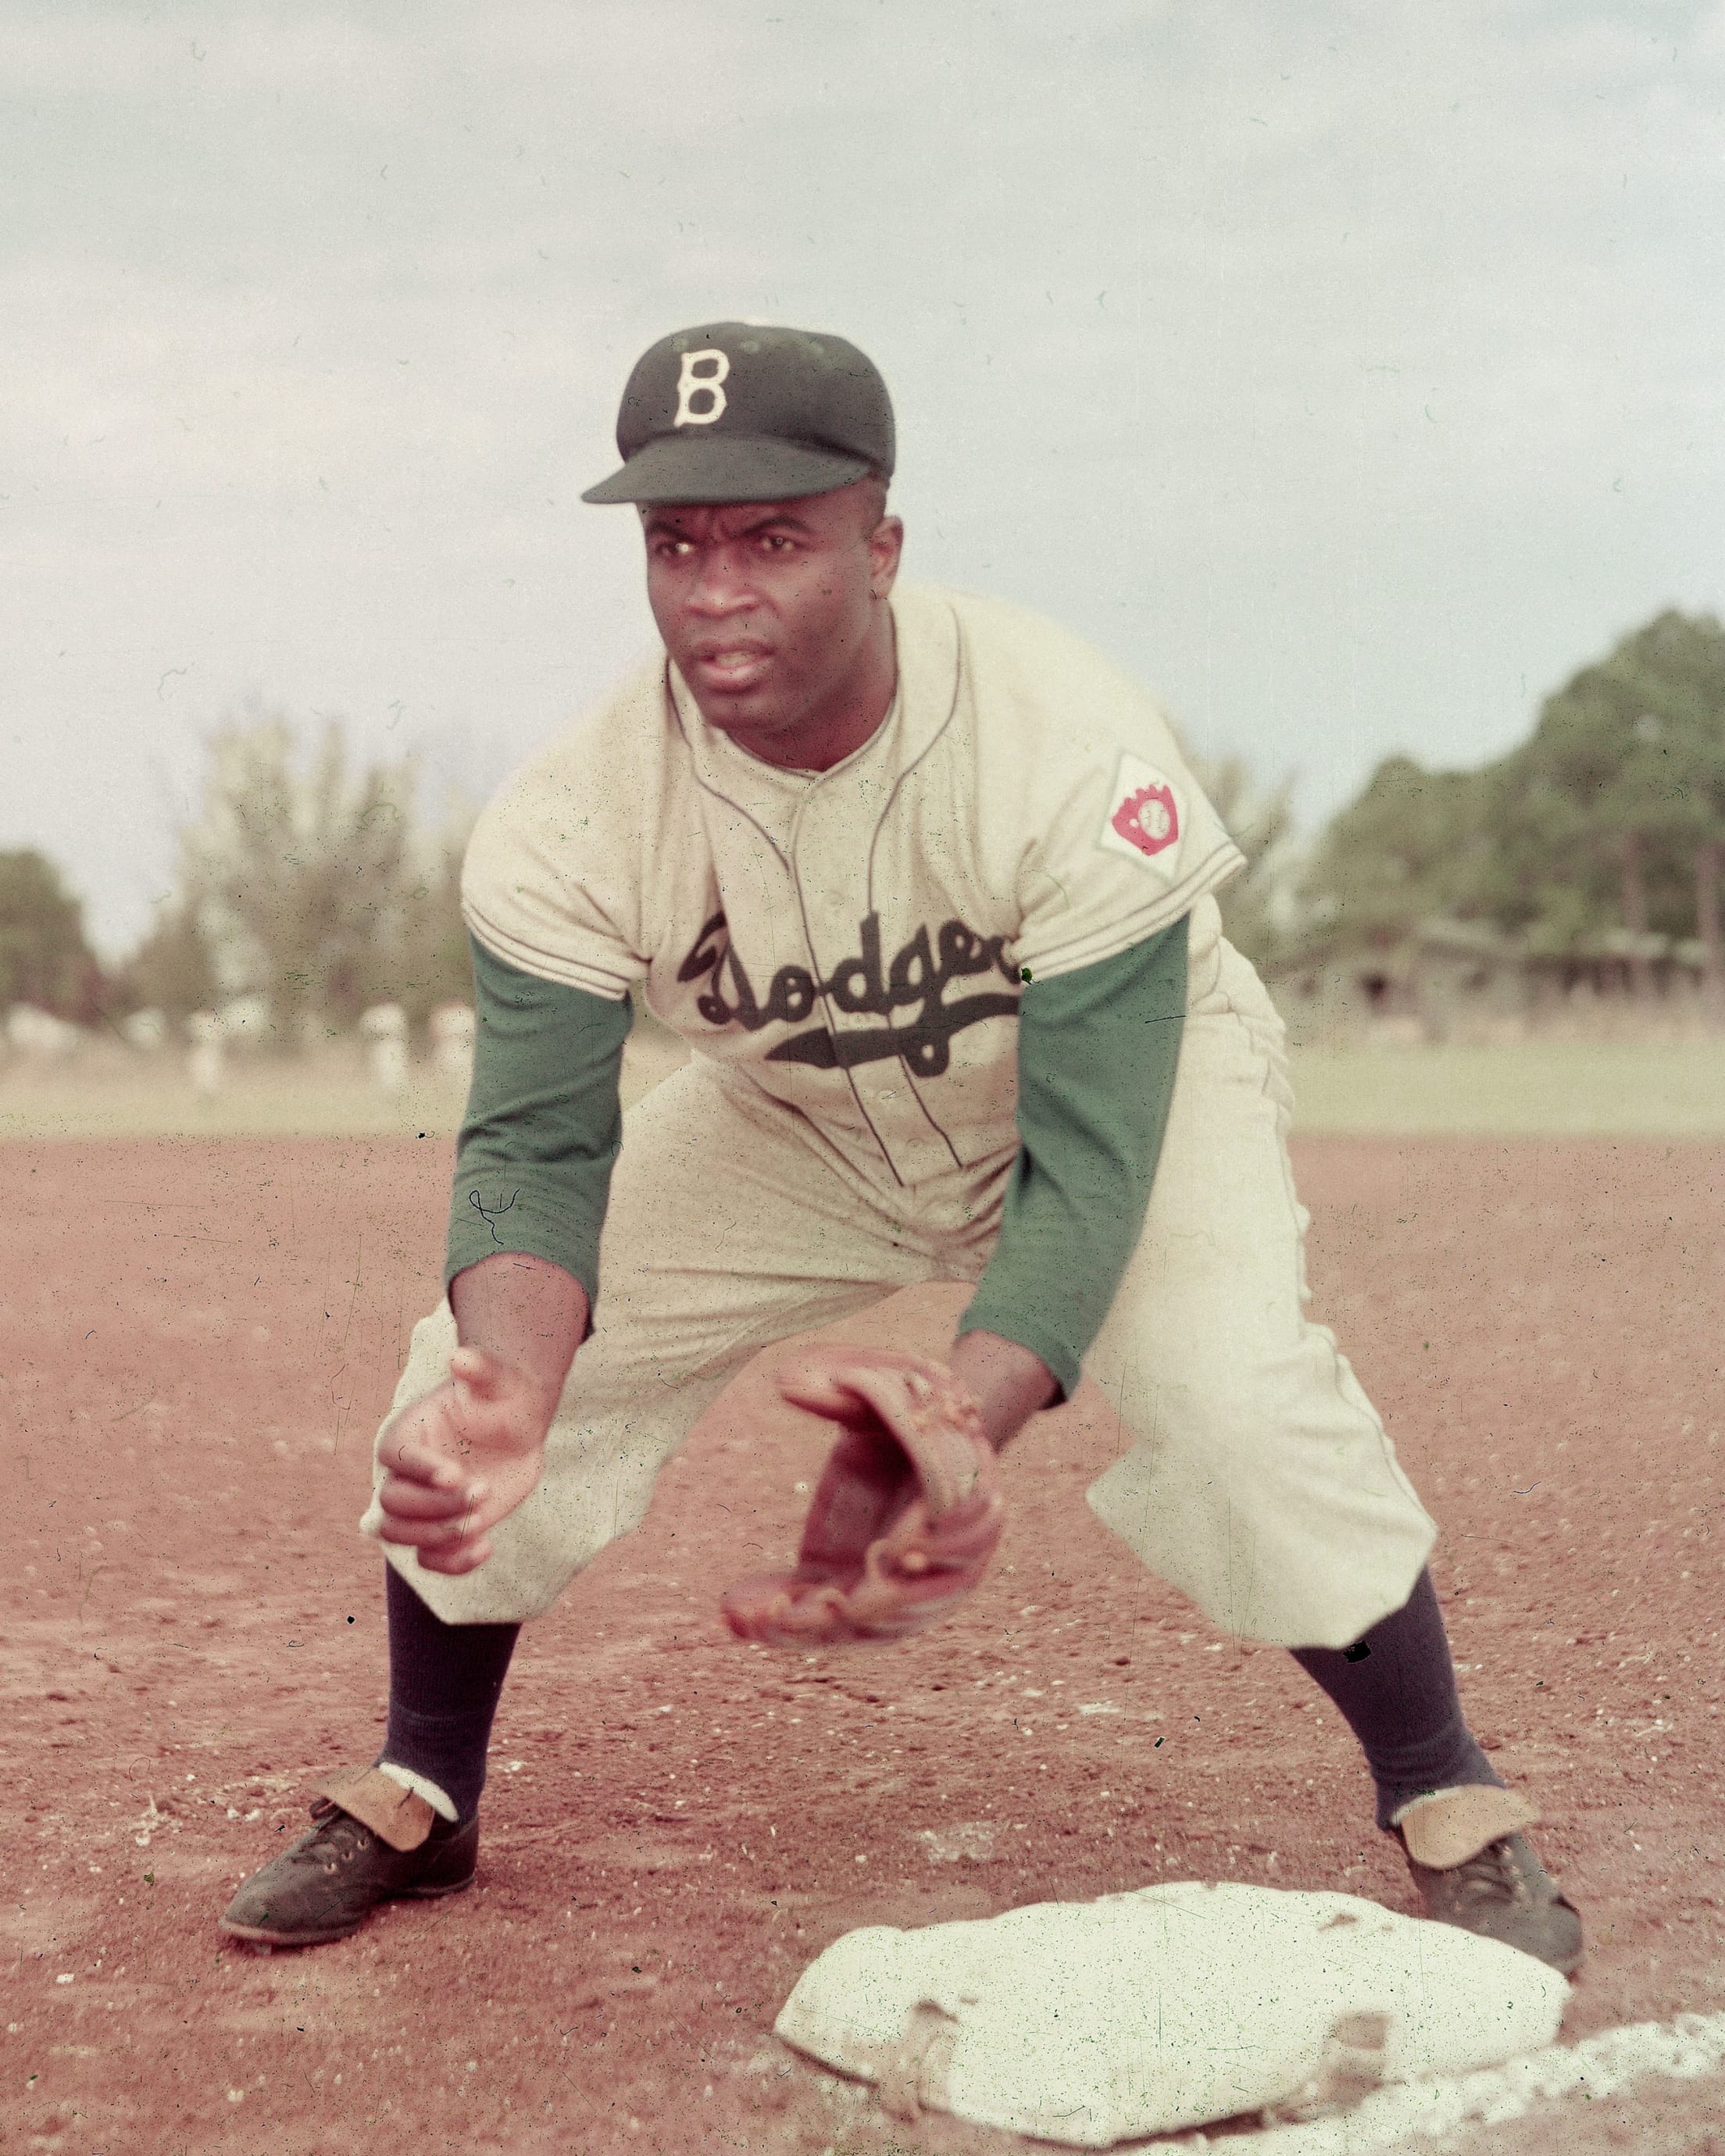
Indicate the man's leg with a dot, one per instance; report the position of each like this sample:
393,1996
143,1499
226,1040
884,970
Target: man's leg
1459,1828
727,1230
444,1683
407,1826
1262,1481
1395,1689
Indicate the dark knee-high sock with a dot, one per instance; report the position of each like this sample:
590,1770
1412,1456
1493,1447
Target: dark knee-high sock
1395,1689
444,1683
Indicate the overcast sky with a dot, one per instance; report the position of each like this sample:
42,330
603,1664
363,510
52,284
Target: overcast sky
1351,373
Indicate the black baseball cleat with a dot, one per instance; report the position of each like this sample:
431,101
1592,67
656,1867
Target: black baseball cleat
373,1841
1472,1873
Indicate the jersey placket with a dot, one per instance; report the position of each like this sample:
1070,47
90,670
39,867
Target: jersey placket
832,904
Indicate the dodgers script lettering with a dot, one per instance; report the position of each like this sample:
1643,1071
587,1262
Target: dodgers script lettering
913,979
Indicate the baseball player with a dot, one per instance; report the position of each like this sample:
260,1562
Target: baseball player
927,887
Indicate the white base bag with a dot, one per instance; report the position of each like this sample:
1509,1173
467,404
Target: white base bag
1093,2022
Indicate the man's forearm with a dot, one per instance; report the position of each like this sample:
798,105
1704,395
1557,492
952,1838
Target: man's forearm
543,1123
1008,1381
1098,1052
524,1311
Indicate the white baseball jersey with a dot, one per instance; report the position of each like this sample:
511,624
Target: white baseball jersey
854,940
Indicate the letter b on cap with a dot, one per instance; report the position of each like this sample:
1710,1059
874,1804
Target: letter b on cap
702,373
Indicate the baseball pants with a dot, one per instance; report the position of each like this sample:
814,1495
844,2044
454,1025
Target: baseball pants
1259,1479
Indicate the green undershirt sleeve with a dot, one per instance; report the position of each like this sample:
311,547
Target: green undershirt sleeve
543,1124
1097,1052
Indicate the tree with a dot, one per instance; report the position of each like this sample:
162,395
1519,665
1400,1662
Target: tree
1709,874
1610,817
433,964
1615,809
44,957
313,885
173,970
1408,849
1261,826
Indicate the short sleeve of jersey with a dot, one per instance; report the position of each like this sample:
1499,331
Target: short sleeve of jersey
1087,803
555,870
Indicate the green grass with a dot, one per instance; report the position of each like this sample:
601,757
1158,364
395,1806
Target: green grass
1658,1089
1532,1088
109,1094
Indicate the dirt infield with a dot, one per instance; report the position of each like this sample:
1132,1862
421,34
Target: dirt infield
198,1340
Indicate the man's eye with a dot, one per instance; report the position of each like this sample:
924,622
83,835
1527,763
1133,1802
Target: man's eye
777,542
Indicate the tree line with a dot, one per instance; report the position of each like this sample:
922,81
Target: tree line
1604,829
320,888
324,889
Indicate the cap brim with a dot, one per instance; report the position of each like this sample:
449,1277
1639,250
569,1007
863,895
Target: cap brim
688,467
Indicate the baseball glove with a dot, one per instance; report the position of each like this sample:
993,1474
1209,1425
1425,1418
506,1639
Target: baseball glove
904,1518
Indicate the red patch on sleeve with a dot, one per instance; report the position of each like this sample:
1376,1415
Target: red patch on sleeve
1147,819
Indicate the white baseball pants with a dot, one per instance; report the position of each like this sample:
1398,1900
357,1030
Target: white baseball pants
1261,1481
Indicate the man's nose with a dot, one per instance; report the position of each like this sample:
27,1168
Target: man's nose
720,585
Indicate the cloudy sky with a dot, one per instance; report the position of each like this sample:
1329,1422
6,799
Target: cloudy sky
1352,374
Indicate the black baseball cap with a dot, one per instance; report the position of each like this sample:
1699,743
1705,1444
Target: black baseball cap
747,412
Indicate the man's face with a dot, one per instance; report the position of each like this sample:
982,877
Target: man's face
773,612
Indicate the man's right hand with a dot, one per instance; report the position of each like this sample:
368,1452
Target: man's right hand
461,1458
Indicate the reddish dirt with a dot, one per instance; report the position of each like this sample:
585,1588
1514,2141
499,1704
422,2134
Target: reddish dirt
198,1339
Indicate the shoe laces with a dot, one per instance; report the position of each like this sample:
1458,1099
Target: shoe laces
1493,1874
340,1837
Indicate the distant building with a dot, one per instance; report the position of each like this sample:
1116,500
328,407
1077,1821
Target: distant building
1465,980
451,1027
384,1029
145,1029
39,1036
206,1063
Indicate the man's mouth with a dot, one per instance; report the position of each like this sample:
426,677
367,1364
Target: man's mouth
733,665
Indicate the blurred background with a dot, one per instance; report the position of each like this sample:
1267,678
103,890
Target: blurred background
1350,374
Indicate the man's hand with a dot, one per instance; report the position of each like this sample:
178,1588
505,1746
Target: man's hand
461,1458
903,1521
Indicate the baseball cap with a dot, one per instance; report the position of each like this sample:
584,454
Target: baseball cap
748,411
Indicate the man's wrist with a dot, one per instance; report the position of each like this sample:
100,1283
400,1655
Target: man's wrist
524,1311
1008,1383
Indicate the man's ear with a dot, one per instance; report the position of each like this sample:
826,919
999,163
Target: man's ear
886,544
